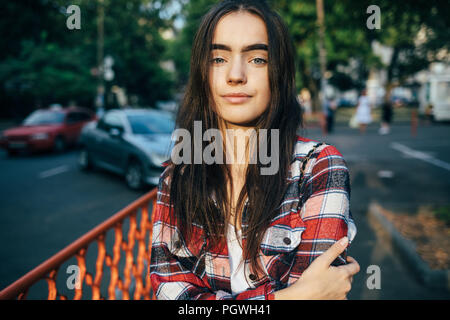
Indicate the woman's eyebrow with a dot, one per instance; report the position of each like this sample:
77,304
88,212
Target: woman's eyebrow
256,46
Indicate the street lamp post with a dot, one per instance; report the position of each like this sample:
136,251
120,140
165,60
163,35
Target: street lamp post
100,100
322,57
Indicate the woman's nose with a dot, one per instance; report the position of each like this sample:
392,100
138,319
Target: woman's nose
237,73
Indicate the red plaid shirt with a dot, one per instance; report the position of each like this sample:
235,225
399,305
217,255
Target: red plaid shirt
314,214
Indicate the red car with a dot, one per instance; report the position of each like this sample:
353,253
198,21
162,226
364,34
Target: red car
47,129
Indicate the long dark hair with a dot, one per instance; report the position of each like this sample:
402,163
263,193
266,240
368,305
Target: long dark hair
193,185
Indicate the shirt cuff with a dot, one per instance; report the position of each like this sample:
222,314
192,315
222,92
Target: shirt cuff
269,292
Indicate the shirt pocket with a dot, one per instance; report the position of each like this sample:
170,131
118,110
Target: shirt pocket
279,239
278,251
177,246
189,257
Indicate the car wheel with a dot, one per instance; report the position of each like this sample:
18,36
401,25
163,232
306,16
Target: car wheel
84,160
134,175
60,144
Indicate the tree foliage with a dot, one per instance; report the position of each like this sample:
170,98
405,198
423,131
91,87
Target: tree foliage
42,61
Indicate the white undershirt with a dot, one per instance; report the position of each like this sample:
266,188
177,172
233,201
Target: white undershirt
238,280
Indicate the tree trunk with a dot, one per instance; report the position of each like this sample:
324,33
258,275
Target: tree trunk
322,50
390,75
311,84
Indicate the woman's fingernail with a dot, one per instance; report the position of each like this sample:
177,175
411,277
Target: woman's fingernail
343,241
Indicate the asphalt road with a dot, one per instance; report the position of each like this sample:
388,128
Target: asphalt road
402,173
46,202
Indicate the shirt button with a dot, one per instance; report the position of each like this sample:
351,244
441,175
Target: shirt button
287,241
252,277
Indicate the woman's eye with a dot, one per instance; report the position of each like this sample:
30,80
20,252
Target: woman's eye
217,60
259,61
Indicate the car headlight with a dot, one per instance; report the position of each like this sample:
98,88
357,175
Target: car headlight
40,136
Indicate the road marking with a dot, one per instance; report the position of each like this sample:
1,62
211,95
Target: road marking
53,172
385,174
420,155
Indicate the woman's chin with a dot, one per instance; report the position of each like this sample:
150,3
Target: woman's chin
241,122
241,119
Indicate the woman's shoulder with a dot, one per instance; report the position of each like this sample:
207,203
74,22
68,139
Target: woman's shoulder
165,179
163,195
314,156
166,173
304,146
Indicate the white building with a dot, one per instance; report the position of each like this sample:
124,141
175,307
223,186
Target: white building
434,93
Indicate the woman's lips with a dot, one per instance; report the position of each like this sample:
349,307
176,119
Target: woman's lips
237,99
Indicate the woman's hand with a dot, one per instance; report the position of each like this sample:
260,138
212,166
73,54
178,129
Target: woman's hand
321,280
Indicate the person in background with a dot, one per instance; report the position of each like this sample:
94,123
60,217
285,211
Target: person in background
331,112
363,112
386,116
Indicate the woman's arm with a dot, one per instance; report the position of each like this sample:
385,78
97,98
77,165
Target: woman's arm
320,281
327,218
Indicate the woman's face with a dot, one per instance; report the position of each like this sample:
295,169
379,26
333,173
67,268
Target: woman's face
238,70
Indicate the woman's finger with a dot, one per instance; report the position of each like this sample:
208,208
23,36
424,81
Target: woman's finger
352,268
351,260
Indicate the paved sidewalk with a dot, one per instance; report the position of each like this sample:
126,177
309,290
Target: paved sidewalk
414,183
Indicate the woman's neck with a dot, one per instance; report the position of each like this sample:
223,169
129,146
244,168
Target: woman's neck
236,143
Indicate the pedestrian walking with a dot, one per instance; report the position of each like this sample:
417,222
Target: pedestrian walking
227,231
363,112
331,106
386,116
305,102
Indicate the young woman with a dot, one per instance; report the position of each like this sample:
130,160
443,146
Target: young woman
226,230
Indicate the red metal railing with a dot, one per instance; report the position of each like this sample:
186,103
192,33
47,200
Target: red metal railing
119,282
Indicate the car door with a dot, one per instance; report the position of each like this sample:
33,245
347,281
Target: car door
110,148
72,126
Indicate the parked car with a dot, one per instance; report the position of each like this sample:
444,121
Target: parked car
47,129
130,142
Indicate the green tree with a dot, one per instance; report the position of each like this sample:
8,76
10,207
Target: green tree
42,60
180,48
133,38
417,31
345,41
49,73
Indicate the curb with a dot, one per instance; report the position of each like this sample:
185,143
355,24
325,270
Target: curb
436,279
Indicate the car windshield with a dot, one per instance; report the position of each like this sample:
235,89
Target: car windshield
44,117
151,123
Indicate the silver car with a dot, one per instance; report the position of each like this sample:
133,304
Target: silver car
130,142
